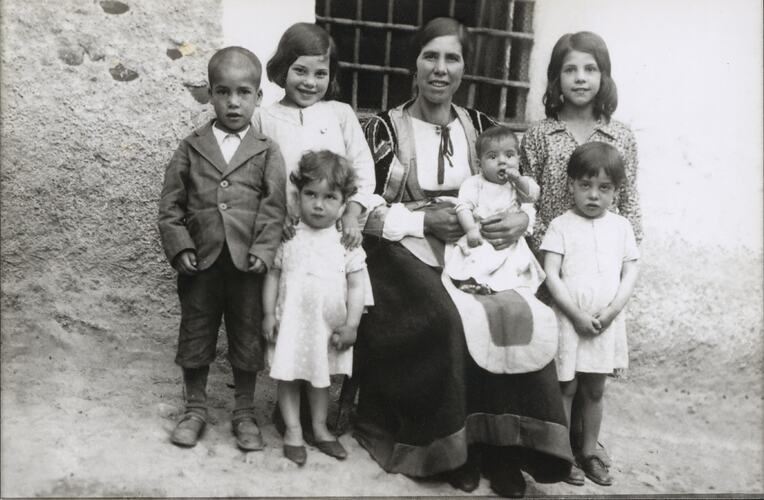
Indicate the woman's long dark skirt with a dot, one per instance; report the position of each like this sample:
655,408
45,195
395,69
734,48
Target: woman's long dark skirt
423,399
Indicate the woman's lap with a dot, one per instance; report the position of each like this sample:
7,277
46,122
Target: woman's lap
423,399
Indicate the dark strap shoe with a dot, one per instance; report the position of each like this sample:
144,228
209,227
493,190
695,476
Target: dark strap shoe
465,477
508,483
188,430
297,454
307,426
333,449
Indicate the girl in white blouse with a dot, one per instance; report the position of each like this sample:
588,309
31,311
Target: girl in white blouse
305,66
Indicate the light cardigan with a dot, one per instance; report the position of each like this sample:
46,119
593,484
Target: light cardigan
328,125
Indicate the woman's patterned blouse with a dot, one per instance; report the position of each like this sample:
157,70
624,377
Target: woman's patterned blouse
544,153
383,141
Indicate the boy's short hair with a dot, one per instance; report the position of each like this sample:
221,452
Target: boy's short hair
229,55
495,133
588,159
304,39
328,166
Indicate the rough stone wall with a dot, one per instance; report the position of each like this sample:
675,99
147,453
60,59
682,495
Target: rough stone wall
93,105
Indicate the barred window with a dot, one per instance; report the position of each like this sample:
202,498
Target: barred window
373,37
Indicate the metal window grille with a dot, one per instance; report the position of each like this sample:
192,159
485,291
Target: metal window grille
373,37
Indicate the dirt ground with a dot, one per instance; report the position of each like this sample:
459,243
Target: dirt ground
89,313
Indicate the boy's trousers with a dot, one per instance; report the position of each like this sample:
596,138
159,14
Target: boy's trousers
220,291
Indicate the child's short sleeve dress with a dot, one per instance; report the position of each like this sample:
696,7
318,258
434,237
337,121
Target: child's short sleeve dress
593,252
311,304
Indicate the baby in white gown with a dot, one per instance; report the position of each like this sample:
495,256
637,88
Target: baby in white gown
475,265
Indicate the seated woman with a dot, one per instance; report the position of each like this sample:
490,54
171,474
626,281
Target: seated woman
426,406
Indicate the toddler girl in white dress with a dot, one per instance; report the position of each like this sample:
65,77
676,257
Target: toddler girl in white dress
313,299
591,264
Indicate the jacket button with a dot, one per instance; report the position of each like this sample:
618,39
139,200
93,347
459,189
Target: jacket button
223,206
224,183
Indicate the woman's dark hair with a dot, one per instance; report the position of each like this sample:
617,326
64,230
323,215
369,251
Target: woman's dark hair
328,166
588,159
606,99
440,26
304,39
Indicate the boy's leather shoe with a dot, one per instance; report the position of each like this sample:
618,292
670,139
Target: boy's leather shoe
576,477
248,435
333,449
188,430
297,454
595,469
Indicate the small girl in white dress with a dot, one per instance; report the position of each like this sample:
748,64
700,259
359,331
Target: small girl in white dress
313,299
591,264
474,264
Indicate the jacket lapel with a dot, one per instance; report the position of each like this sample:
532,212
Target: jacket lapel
252,144
471,133
203,141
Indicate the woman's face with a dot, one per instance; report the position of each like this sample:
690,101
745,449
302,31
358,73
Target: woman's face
439,69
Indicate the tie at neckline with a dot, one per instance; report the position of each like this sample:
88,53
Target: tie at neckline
445,152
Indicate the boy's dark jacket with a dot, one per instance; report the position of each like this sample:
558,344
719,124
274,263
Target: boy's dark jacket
206,202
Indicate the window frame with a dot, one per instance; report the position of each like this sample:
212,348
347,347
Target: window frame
479,33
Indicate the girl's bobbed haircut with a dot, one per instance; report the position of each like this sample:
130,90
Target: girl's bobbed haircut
440,26
606,99
588,159
325,165
304,39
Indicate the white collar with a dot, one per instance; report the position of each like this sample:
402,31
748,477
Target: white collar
221,134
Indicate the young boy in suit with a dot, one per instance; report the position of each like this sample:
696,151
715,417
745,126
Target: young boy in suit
220,218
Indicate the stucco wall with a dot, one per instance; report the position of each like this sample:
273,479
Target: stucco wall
258,27
690,84
689,80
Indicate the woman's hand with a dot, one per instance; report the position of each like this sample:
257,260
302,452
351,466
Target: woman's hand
351,232
443,224
288,232
502,230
